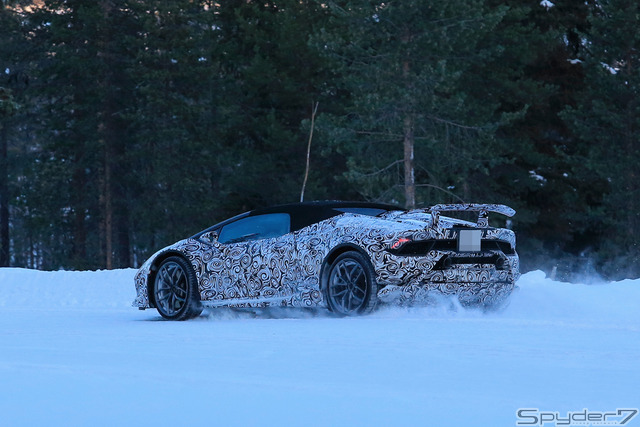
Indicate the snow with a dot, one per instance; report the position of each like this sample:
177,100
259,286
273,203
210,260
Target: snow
73,352
533,174
609,68
547,4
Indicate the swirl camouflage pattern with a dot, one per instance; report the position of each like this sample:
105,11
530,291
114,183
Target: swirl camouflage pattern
347,256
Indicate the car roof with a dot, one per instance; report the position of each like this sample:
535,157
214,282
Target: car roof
304,214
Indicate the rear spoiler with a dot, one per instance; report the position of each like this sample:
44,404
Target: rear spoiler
483,211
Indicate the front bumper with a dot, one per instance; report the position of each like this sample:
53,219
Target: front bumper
140,281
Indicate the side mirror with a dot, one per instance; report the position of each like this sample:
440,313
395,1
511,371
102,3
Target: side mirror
210,237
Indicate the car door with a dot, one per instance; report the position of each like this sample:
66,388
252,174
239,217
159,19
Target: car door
255,259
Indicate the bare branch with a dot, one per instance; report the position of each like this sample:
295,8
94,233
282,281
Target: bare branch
379,171
441,189
390,135
314,110
383,196
449,122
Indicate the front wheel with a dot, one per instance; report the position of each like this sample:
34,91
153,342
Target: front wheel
351,286
176,290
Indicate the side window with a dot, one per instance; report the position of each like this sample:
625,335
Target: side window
255,227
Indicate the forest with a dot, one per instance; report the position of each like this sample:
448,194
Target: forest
126,125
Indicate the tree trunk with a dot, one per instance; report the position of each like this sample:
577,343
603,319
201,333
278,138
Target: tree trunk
116,218
408,139
632,191
4,199
123,239
409,174
79,179
108,209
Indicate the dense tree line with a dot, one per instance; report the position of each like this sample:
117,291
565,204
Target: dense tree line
126,125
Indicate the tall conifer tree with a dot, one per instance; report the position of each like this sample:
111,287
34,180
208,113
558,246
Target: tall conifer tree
606,122
410,124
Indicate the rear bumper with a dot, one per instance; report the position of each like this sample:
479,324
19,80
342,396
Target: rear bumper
468,293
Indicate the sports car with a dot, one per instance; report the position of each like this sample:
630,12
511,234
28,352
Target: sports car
347,256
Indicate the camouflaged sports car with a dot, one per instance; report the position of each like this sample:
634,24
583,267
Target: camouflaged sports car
347,256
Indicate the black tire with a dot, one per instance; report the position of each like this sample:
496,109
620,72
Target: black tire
351,287
175,290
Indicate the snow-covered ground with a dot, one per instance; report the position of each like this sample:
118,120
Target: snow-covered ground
73,352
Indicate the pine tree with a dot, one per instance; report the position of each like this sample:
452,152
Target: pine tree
607,123
8,106
174,155
14,81
271,79
409,125
83,68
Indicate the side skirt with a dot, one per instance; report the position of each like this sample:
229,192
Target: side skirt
245,301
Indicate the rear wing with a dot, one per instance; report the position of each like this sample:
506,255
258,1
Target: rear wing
483,211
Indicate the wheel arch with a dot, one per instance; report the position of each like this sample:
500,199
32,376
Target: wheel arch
331,257
153,269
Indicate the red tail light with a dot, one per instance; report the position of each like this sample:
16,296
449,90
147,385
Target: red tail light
400,242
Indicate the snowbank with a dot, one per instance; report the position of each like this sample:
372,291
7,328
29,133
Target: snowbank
21,288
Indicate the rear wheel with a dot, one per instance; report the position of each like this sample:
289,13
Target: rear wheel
175,290
351,287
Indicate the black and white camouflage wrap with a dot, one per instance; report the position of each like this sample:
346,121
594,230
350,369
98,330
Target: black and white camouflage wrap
285,271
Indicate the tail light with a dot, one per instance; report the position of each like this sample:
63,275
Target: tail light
400,242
